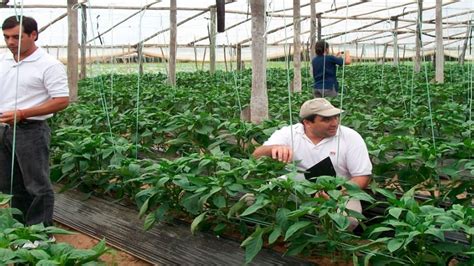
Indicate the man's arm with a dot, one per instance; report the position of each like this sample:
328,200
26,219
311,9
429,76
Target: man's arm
362,181
281,153
51,106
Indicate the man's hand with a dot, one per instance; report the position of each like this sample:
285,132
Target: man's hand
281,153
9,117
321,194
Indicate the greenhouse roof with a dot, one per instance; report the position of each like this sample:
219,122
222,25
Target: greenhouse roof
344,22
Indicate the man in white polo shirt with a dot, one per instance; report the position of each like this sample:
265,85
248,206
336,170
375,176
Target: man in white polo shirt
318,136
33,86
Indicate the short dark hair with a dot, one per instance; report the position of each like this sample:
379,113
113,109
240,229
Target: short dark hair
320,47
309,118
29,24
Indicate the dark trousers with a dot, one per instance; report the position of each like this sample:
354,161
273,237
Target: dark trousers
32,191
321,93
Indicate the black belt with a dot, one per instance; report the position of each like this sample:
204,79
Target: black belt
30,122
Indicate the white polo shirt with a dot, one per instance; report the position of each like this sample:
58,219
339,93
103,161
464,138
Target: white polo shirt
346,149
40,77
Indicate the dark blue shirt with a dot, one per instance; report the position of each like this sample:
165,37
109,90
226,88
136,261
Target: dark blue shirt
324,68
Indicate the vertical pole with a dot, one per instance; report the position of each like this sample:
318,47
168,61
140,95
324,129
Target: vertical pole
195,56
319,27
297,44
313,22
172,48
239,57
385,48
404,50
395,42
213,32
83,41
357,52
259,97
225,59
72,49
439,43
464,46
417,65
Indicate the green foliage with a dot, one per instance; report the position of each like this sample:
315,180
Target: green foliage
14,235
183,151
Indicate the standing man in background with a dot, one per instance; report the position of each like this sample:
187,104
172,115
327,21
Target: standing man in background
33,86
324,70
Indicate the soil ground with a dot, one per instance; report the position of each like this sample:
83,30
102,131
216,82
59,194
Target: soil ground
116,257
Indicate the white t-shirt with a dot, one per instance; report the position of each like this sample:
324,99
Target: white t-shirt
347,150
40,77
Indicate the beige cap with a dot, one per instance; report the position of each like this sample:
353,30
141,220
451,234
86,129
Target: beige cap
318,106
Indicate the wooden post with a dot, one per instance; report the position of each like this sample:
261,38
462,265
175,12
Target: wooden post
212,41
83,74
239,57
259,97
203,58
72,50
297,44
464,46
195,57
417,65
319,27
172,51
376,50
312,37
385,47
395,42
439,43
225,58
404,50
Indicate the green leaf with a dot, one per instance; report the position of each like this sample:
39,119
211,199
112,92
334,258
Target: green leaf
435,232
394,244
224,166
410,238
274,235
144,208
6,254
255,207
342,222
149,220
386,193
197,221
361,196
39,254
395,212
335,194
253,244
296,227
47,263
81,254
235,208
219,202
379,230
68,166
282,218
411,218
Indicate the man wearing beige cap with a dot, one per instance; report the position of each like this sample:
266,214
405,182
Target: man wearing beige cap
318,136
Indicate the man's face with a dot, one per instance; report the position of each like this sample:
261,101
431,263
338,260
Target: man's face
323,127
12,40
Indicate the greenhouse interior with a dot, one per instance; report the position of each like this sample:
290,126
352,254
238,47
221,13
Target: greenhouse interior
231,132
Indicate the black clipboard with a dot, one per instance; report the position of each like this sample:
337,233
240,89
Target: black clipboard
324,167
